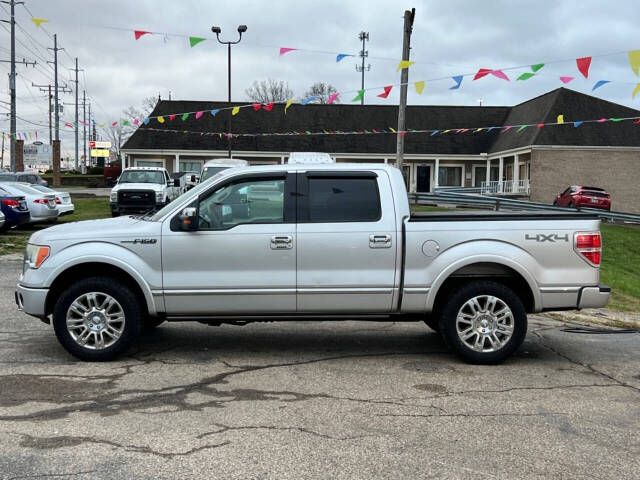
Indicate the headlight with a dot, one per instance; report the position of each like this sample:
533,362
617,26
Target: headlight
35,255
159,197
113,197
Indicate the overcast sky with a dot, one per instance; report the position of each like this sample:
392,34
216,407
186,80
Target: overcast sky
449,38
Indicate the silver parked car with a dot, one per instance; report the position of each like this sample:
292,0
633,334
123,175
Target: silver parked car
63,199
42,206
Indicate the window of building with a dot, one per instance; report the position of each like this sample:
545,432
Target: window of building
149,163
343,200
450,176
190,166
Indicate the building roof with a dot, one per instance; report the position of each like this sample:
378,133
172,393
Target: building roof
313,117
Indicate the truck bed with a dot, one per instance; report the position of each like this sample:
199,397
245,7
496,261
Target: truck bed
497,216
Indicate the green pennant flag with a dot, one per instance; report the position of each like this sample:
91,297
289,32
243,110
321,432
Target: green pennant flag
125,122
185,116
537,67
193,41
522,127
616,119
526,76
358,97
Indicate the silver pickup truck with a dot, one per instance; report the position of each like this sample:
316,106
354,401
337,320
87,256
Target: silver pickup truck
296,242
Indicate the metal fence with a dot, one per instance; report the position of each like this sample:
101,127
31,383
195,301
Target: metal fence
453,197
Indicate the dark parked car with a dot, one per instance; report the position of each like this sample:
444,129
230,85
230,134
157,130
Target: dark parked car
25,177
582,196
14,208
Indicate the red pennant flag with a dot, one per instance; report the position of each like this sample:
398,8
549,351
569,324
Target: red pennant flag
637,121
269,106
583,65
139,33
402,134
257,106
171,117
540,125
114,124
387,89
483,72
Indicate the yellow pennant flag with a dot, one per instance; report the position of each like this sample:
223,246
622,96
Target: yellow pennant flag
160,119
419,87
634,60
479,130
38,21
235,110
393,129
289,102
560,119
446,131
635,91
404,64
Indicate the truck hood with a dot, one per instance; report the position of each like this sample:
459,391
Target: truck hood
96,229
157,187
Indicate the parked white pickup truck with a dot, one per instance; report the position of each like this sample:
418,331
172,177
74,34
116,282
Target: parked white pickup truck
143,189
310,242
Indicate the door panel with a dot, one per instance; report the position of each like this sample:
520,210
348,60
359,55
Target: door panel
345,266
244,259
423,184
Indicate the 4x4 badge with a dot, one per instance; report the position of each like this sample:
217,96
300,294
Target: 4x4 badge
551,237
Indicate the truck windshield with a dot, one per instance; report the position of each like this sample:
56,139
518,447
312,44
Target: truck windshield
209,172
141,176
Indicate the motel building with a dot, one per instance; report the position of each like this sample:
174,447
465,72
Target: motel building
534,163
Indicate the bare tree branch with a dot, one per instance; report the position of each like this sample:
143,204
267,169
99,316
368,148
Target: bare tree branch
321,91
269,90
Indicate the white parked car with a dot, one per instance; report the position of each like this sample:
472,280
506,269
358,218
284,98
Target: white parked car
63,199
213,167
42,206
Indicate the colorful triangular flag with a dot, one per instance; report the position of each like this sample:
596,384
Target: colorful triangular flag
193,41
38,21
386,92
419,87
139,33
583,65
404,64
359,96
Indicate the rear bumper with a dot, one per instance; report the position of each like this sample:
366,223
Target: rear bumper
31,300
594,297
66,209
47,215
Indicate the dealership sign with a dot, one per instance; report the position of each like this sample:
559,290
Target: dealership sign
99,145
100,153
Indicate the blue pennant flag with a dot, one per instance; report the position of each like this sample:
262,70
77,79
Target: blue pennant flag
213,112
434,132
577,124
340,56
600,83
458,80
308,100
146,121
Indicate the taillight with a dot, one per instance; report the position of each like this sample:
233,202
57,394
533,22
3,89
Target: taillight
42,201
589,246
58,201
10,203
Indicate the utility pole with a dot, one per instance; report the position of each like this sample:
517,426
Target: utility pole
12,83
47,88
55,73
76,129
364,37
404,80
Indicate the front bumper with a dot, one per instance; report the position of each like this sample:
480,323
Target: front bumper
124,209
31,300
594,297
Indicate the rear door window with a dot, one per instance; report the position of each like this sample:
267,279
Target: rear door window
343,199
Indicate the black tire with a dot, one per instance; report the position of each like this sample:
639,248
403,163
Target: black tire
131,306
433,322
151,323
454,304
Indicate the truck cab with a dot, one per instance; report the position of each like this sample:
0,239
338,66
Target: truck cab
212,167
143,189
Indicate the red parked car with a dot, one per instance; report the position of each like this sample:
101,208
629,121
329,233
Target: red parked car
581,196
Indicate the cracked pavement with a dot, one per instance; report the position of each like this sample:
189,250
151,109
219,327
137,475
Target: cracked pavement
315,400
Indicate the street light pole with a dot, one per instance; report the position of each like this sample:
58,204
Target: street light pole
218,31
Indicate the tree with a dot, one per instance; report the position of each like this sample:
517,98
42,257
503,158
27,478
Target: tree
120,133
321,91
269,90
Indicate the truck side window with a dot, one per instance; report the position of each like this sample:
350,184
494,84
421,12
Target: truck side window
343,200
245,201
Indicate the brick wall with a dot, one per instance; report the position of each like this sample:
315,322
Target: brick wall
616,171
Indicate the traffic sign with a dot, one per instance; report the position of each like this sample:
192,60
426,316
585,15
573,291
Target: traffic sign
96,144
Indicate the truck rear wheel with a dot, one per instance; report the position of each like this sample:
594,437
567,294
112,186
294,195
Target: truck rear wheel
483,322
97,319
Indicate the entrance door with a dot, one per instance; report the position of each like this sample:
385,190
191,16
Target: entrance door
479,176
423,180
242,257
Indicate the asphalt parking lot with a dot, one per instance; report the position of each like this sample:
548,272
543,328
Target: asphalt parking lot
315,400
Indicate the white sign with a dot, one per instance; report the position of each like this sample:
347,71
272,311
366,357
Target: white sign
37,153
100,153
99,145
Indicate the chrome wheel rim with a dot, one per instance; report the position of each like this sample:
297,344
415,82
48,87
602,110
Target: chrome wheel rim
95,320
484,323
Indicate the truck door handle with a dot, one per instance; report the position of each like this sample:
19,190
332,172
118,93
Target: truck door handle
279,242
379,241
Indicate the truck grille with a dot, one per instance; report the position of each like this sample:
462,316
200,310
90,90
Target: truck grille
137,198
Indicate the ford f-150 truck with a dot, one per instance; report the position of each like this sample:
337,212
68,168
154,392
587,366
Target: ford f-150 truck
310,242
141,189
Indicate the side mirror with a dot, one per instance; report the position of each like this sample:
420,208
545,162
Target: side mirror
189,219
176,182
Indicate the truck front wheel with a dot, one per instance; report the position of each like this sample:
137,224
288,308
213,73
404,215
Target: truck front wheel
483,322
97,319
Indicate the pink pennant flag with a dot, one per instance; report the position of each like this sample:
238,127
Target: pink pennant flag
257,106
506,129
199,114
583,65
284,50
483,72
136,121
499,74
385,94
269,106
566,80
114,124
333,97
139,33
602,120
67,124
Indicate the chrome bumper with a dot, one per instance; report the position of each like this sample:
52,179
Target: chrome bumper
31,300
594,297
